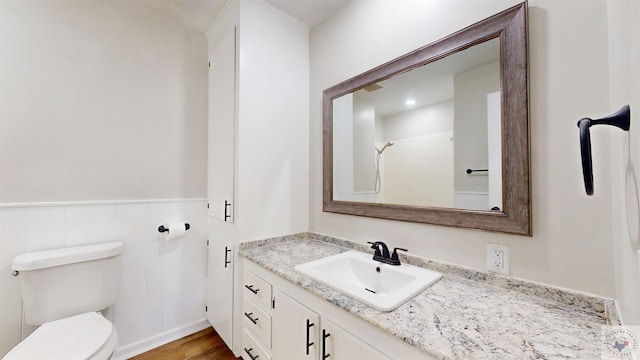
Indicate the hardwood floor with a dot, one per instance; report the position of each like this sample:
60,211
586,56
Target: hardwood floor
205,344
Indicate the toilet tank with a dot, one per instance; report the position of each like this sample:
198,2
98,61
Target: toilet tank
63,282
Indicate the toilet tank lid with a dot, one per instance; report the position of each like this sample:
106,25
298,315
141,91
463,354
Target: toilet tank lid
56,257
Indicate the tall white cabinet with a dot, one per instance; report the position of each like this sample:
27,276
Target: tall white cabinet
222,123
258,144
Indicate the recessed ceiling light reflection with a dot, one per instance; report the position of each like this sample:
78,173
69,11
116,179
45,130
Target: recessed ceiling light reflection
410,102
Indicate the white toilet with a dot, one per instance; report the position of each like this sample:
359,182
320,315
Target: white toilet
64,290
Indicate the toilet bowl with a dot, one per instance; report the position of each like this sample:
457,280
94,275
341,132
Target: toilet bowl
65,291
87,336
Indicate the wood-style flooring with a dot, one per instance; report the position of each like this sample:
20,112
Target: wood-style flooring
205,344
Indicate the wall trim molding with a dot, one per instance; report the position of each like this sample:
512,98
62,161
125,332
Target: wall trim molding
98,202
153,342
471,193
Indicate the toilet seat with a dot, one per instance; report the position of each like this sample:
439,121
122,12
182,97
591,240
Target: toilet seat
80,337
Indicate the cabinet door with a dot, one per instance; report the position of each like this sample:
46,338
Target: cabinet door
222,120
220,288
296,329
339,344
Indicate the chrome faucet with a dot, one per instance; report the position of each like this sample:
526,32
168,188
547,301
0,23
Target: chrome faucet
383,255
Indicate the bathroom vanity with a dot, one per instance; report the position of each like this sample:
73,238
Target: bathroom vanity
468,314
283,321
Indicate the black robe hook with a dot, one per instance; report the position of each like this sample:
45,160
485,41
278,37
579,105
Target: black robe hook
621,119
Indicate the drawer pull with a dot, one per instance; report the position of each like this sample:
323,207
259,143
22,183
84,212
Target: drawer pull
309,344
254,321
250,287
325,335
248,351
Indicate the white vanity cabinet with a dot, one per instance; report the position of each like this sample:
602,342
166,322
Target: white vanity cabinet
304,326
256,317
256,314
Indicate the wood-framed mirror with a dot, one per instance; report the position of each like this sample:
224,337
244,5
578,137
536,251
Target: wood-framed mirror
470,85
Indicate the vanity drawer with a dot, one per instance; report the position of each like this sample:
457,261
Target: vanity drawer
257,290
251,348
257,321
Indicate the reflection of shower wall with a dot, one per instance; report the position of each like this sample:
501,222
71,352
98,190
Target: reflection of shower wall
427,120
419,171
364,114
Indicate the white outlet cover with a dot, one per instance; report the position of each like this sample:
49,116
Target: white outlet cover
505,258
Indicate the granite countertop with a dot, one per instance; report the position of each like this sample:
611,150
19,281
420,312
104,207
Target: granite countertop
468,314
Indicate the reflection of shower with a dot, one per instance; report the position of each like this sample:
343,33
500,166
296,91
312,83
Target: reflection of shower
378,182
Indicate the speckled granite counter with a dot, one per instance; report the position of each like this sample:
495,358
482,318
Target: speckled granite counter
468,314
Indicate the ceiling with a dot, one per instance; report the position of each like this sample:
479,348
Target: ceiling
310,12
431,83
199,14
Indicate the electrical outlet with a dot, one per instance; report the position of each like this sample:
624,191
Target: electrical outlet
498,258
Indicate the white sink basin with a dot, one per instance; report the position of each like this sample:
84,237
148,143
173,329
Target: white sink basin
381,286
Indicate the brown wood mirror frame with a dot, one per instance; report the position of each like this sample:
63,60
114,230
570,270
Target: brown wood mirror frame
510,26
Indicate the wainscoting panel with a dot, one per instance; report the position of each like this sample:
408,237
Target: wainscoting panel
163,284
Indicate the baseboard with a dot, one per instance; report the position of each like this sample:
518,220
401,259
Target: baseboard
126,352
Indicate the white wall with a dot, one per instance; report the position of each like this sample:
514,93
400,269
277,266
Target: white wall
101,100
568,69
624,56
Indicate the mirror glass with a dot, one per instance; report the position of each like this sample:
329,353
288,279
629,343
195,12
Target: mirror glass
439,135
430,136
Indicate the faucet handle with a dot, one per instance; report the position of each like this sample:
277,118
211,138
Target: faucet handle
376,246
394,256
